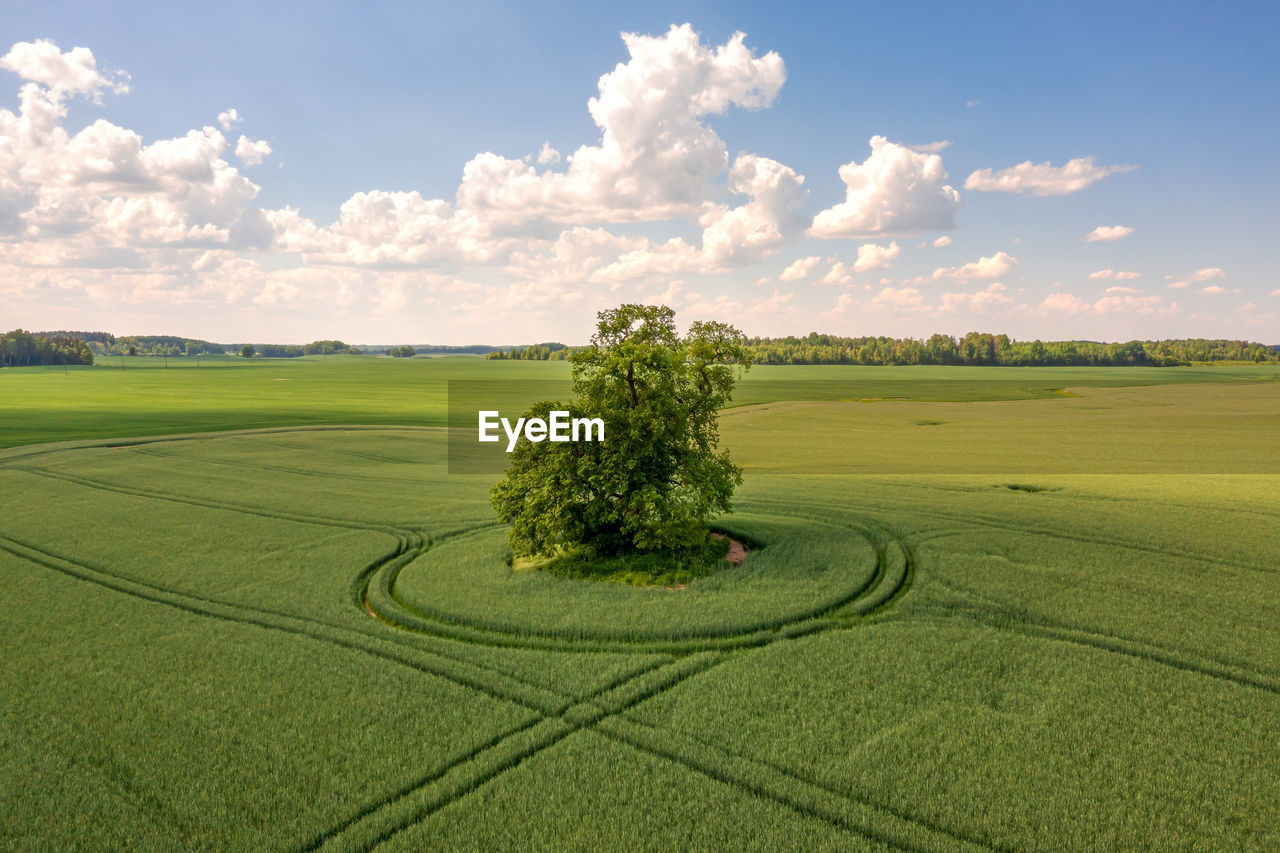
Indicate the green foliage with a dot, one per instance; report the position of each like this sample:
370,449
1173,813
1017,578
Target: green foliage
279,351
329,348
658,476
647,569
21,349
402,352
978,348
537,352
248,351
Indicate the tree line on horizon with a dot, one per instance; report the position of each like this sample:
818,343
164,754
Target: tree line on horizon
975,348
170,346
20,348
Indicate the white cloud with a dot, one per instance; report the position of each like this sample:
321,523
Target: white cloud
1066,303
670,297
894,191
102,189
838,274
548,155
1120,303
1043,179
1119,289
974,103
1276,292
897,299
1213,289
931,147
730,236
228,119
654,161
1205,274
995,266
757,228
73,72
942,241
380,228
800,268
980,302
656,157
873,257
1108,233
1118,275
252,152
844,302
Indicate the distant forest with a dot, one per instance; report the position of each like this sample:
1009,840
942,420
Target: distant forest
537,352
105,343
18,348
974,348
979,348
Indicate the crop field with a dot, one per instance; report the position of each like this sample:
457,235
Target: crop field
983,609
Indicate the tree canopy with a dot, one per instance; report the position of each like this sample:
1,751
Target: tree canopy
20,348
979,348
658,477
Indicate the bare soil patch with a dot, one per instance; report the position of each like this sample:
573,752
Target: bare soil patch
737,551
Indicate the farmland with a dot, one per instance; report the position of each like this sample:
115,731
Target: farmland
985,608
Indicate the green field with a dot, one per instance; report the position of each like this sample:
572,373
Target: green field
986,608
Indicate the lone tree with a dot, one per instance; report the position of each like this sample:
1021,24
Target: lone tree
657,478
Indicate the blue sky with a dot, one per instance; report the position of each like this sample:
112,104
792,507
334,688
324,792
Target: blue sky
380,107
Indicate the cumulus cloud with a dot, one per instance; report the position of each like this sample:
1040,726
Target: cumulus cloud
1116,301
799,269
942,241
74,72
838,274
252,152
1043,179
78,196
894,191
897,299
980,302
995,266
1108,233
1118,275
873,257
1213,289
757,228
547,155
656,156
1205,274
1065,303
228,119
730,236
655,160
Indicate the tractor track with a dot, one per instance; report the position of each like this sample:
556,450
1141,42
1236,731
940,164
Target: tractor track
606,709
